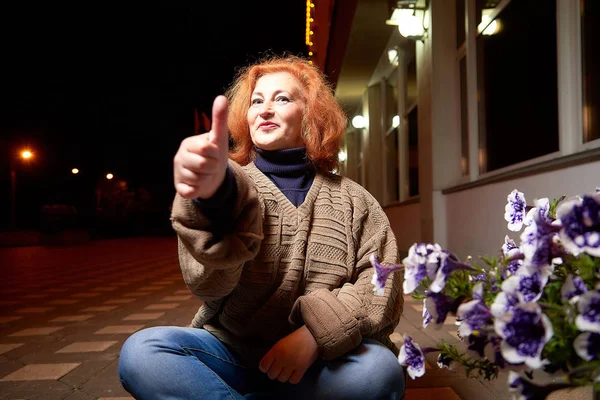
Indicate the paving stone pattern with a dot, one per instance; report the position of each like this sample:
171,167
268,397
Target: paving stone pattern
65,312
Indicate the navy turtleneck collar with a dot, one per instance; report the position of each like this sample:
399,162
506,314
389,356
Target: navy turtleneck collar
282,162
289,169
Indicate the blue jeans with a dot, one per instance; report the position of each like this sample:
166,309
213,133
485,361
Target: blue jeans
189,363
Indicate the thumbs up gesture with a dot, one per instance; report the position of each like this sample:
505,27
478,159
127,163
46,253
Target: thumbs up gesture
201,161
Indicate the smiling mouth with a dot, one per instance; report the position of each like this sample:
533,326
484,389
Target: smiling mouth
268,126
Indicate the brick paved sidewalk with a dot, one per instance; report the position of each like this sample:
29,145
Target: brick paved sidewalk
65,312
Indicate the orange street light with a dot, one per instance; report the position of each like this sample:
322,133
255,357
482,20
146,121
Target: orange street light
25,155
109,176
75,171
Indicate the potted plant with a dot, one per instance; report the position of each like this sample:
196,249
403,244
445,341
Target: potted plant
534,307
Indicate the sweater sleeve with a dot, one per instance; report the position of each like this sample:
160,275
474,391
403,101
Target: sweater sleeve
341,318
212,258
218,208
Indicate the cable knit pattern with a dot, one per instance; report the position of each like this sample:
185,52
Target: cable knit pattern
306,265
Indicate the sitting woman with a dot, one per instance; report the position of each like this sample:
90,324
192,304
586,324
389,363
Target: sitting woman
277,248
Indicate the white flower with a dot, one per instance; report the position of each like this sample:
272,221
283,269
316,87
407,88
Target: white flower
527,284
573,288
473,314
580,218
412,357
525,330
588,306
380,274
587,345
422,261
514,211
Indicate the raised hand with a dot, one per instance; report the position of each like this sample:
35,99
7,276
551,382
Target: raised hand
289,358
201,161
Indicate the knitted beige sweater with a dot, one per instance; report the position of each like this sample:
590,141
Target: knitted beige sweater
283,266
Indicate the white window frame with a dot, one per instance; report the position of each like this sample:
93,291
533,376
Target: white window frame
570,87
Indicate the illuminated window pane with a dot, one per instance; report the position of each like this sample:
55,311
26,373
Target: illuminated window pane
518,85
590,37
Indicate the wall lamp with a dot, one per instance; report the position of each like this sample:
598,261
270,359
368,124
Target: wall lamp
412,18
393,56
359,122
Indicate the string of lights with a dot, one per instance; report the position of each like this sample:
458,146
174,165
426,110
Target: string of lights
310,8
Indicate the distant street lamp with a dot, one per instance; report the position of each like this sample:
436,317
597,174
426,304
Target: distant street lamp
109,176
74,171
26,155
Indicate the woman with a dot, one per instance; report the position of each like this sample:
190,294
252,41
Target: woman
277,248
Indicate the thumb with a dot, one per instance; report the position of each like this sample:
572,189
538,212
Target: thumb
219,134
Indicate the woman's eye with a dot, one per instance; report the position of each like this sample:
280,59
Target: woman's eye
282,99
256,101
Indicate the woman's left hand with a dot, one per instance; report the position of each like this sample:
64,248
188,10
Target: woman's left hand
289,359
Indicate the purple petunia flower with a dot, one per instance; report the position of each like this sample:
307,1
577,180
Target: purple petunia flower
426,316
588,306
477,343
447,264
478,278
422,261
527,284
513,266
580,219
527,390
513,255
381,274
538,240
520,386
503,303
573,288
587,345
438,306
509,248
514,211
542,207
443,361
412,357
474,314
525,330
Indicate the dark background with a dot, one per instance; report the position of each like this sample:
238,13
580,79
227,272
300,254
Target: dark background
113,90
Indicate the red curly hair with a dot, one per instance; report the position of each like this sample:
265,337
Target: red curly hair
323,122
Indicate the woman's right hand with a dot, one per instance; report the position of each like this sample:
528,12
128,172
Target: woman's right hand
201,161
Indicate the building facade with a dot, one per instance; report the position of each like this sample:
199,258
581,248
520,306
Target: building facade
461,101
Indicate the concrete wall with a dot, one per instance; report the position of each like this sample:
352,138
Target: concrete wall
475,217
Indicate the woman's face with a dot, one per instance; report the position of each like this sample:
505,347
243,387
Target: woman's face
275,113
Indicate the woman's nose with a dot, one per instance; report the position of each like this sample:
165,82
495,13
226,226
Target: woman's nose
266,108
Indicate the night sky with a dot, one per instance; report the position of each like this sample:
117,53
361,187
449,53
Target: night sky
113,90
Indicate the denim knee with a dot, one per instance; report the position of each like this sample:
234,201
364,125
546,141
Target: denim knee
136,354
384,373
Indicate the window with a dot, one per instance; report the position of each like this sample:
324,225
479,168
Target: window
464,124
461,56
590,34
410,133
413,152
517,82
